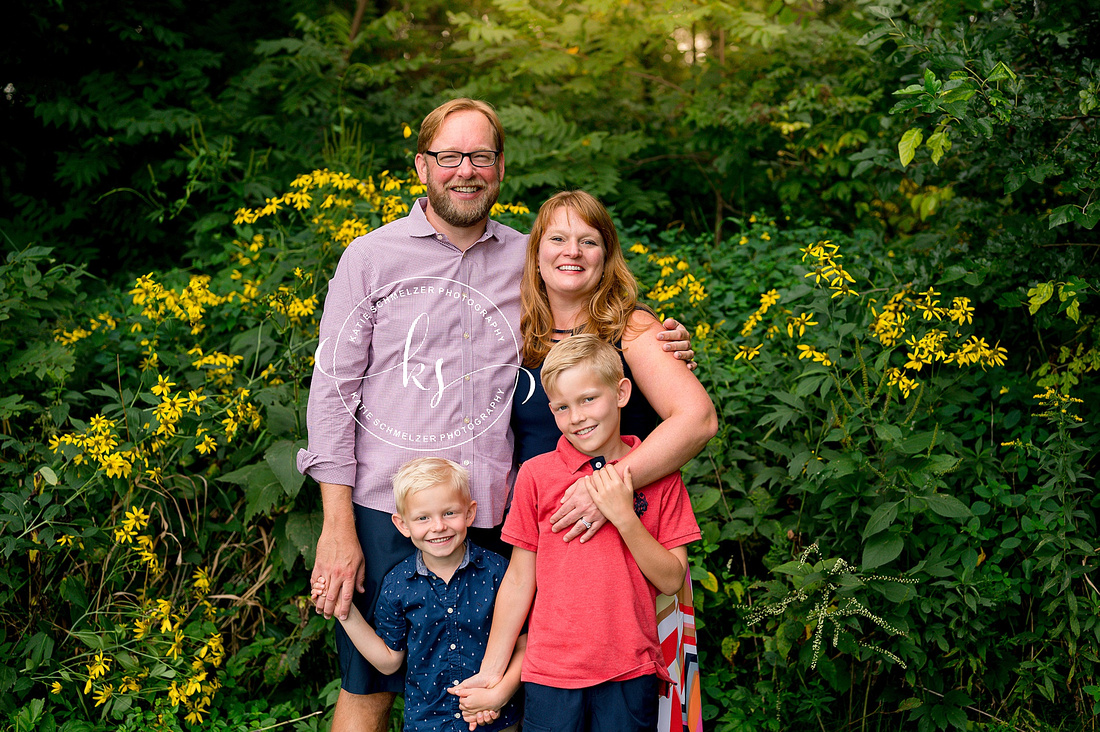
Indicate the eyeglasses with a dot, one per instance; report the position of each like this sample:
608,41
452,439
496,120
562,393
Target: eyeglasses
453,158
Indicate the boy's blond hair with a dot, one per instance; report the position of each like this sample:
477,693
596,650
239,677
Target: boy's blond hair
583,349
428,472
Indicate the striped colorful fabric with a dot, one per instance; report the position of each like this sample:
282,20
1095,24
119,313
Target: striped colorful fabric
681,708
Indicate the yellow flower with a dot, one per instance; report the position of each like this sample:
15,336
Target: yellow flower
103,695
55,688
799,323
744,240
208,445
639,248
406,132
747,353
163,386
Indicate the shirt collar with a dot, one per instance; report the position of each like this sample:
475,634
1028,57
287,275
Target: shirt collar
575,460
419,225
422,569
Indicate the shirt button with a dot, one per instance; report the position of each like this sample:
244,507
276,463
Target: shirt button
458,716
439,237
466,463
466,420
465,335
450,610
467,377
453,646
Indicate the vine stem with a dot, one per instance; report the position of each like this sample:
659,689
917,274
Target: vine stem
290,721
975,709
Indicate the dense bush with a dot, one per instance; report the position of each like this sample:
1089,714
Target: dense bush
900,511
870,422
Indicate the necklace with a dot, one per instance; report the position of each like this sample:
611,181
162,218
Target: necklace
569,331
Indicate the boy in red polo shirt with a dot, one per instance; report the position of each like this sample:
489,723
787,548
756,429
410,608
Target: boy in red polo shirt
592,661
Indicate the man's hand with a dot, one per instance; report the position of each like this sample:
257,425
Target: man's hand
577,513
340,563
678,340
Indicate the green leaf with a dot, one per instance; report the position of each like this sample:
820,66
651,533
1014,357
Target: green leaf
708,498
939,143
954,272
1038,295
1000,73
792,568
1061,215
1014,179
1088,216
881,519
910,141
910,703
881,549
916,443
282,457
947,506
302,531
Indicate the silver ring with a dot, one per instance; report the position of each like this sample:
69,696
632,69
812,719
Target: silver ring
587,524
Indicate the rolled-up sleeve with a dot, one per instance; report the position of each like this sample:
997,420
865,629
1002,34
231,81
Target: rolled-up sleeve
340,363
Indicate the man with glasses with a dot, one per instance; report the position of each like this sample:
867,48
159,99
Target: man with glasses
417,355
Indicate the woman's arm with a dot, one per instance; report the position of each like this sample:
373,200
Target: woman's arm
687,413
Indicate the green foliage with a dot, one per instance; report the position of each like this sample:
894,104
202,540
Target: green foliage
154,523
867,417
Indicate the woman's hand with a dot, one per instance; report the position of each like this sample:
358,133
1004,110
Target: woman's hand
577,513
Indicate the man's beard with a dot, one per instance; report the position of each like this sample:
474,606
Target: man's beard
462,214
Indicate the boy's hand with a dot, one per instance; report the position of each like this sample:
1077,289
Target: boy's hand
317,594
479,705
614,496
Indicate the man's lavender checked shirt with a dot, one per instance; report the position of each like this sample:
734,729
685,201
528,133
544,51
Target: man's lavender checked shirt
418,355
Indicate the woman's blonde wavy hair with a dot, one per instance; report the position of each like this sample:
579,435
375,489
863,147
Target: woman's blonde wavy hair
616,295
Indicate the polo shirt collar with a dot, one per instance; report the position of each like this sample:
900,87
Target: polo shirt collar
419,226
575,460
422,568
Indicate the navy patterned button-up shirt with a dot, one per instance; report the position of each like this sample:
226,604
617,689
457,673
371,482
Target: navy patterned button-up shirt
444,627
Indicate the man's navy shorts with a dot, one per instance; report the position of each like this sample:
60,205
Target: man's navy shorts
383,548
613,706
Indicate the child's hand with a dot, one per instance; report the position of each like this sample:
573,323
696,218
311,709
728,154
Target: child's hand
480,705
614,496
317,593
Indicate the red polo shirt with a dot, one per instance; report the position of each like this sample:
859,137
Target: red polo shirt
593,618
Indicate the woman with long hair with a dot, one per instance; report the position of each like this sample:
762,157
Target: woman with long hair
576,281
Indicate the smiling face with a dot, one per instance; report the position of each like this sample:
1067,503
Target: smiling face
586,410
461,197
436,519
571,256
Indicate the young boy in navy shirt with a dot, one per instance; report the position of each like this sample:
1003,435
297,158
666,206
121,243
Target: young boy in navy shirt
592,660
436,607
